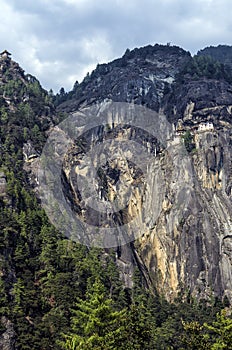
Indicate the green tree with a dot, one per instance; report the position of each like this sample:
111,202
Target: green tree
95,324
222,332
194,336
188,141
138,329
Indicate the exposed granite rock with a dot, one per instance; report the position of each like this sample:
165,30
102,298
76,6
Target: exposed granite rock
199,100
8,337
194,253
187,247
3,189
29,152
142,76
185,240
3,184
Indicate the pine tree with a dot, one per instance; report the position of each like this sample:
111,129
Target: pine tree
222,330
194,336
140,322
95,324
138,329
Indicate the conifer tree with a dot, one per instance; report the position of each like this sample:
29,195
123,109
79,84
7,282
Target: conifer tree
95,324
194,336
222,332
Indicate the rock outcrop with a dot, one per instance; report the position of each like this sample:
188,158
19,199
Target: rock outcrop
8,338
187,247
141,75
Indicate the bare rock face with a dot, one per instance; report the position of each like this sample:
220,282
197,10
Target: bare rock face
142,75
29,152
185,244
7,339
194,252
3,184
3,189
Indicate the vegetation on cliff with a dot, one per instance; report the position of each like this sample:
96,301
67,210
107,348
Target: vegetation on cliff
59,294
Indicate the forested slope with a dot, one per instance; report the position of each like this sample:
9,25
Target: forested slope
58,294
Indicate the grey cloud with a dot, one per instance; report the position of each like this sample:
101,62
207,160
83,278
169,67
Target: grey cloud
66,38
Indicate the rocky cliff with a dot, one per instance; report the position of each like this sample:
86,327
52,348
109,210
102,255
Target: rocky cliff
188,247
180,195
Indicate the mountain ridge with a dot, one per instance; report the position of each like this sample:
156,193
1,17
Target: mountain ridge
195,95
185,256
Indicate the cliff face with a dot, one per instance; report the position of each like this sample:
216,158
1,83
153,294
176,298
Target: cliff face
185,241
188,246
142,75
7,339
194,252
179,193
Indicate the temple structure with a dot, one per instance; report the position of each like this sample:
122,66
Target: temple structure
5,54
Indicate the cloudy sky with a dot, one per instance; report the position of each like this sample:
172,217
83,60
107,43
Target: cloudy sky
59,41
